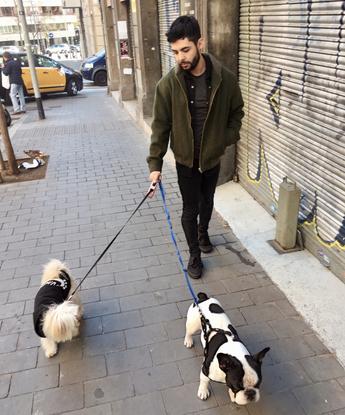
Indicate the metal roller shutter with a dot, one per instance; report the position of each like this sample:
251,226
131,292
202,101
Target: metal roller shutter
292,76
168,11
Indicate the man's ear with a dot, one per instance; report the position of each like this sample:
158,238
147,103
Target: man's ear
258,357
201,44
226,362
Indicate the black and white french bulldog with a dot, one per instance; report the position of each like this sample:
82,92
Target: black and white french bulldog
227,359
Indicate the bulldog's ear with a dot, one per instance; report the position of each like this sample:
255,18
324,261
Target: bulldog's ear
259,357
226,362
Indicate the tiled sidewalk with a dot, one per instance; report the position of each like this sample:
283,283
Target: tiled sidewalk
130,358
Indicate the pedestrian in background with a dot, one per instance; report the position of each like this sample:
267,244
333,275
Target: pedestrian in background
13,69
198,106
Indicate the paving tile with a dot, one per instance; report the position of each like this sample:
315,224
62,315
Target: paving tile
151,403
145,335
242,283
94,410
175,401
81,370
8,343
5,381
13,284
109,389
89,296
283,403
290,327
104,343
315,344
170,351
34,380
284,350
258,332
101,308
321,368
136,302
190,369
283,377
234,300
176,329
66,352
159,314
266,294
121,321
58,400
17,361
286,308
19,405
128,360
229,409
265,312
91,327
320,397
156,378
12,310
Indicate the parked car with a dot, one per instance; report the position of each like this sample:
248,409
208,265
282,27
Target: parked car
59,48
74,48
94,68
52,76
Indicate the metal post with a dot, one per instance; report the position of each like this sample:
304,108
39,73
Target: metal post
287,216
82,36
31,60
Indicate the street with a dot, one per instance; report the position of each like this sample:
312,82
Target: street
130,358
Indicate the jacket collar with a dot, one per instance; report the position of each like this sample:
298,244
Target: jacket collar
213,67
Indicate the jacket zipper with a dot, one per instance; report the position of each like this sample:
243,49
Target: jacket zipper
203,128
189,116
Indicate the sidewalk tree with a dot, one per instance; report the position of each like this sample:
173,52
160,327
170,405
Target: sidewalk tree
12,167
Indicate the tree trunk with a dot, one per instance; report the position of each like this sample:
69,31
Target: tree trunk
12,162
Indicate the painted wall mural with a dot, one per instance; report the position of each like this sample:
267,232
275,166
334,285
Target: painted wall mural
284,76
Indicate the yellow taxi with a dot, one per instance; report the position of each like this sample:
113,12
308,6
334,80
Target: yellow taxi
52,76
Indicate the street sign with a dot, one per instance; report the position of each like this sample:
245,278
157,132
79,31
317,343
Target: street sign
50,35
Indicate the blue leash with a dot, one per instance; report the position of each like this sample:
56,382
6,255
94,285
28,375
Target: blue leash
161,188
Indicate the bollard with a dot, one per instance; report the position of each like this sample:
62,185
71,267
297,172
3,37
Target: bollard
287,215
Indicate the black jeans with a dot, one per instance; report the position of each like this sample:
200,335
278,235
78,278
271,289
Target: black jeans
197,190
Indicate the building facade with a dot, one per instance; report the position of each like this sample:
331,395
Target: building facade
48,23
94,36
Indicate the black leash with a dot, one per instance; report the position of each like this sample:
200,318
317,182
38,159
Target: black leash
151,189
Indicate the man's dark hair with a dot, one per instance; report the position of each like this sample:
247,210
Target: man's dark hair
184,27
7,55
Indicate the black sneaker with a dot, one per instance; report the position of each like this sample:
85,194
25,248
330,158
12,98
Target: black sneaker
205,243
195,266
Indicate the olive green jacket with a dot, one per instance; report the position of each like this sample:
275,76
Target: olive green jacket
172,120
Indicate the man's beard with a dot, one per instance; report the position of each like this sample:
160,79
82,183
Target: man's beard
192,64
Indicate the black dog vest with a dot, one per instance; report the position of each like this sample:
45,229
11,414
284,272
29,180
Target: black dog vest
52,292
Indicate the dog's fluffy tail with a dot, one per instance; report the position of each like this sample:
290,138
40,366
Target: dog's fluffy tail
52,269
60,322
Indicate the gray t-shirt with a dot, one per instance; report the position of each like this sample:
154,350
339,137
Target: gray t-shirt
200,110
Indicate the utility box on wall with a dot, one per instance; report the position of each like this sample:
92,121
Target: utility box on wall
187,7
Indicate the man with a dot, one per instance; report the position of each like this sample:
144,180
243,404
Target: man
13,69
198,106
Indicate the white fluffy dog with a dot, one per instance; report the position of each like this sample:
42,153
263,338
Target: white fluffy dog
56,319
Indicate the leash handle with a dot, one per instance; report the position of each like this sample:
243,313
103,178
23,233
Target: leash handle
167,214
152,189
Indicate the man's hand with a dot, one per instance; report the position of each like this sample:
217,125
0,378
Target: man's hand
155,177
